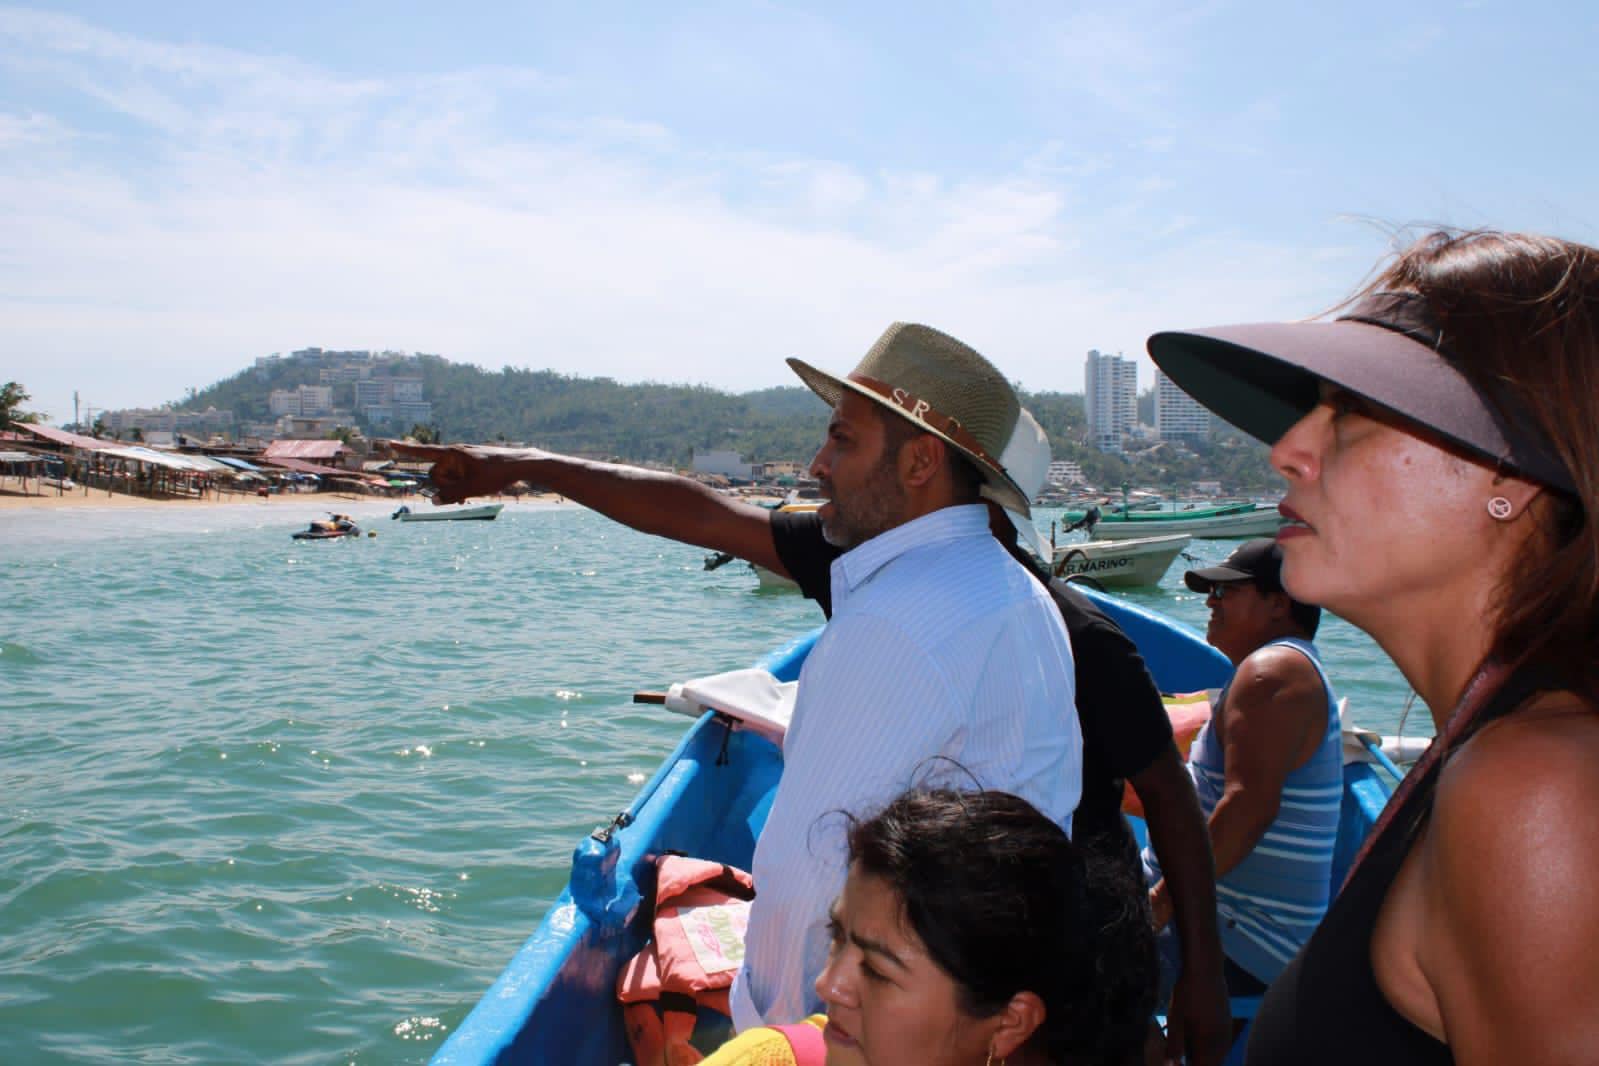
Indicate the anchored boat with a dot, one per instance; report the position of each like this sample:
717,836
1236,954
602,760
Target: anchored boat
1242,521
486,512
1120,563
555,1001
1152,512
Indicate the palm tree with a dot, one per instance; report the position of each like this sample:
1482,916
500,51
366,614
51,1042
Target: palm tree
12,397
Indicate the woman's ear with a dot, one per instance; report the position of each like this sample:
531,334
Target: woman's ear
1518,491
1018,1021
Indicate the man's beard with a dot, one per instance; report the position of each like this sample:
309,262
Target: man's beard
876,507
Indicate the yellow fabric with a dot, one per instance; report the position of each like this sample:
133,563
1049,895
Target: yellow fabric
759,1047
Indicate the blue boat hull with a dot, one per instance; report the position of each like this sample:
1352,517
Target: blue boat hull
555,1002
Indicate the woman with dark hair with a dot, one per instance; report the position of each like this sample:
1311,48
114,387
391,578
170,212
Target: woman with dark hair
971,931
1440,440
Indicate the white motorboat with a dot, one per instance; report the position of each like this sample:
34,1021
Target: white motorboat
1139,561
485,512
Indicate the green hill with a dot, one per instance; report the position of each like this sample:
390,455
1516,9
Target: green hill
653,422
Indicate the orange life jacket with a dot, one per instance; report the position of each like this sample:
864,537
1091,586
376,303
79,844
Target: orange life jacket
1188,711
701,914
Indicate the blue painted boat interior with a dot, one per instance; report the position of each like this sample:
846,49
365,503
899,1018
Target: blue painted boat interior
555,1001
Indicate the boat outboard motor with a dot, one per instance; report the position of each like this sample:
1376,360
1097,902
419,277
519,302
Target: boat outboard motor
1087,522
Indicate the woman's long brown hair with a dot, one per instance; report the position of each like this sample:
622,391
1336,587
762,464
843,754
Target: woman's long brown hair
1520,319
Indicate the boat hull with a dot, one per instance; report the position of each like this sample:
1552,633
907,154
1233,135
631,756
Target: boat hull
1120,563
1153,512
1262,522
771,579
486,513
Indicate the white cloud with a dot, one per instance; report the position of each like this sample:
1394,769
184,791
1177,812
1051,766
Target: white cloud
260,205
17,131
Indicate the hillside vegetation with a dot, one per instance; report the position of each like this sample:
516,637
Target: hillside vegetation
662,423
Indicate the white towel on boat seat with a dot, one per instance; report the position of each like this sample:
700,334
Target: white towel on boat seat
753,698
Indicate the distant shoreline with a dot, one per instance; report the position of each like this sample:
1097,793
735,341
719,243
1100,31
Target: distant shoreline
12,499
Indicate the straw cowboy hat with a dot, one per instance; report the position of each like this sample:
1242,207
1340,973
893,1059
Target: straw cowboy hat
942,386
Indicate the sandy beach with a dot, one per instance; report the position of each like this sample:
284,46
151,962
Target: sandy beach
12,497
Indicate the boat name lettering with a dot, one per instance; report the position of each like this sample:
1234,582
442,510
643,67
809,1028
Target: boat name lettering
1090,565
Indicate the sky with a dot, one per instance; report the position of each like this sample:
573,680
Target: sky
693,192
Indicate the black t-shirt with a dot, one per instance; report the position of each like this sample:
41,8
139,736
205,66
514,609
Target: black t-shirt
1124,724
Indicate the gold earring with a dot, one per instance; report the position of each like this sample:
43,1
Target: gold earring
990,1061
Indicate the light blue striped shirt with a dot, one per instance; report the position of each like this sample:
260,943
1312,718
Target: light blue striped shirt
939,645
1272,901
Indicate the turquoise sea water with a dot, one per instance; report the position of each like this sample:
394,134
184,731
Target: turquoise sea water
298,802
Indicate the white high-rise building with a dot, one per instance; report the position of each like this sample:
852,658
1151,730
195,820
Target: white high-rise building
1178,416
1111,399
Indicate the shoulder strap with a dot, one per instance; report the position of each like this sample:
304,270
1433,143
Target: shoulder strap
1502,691
1521,686
806,1042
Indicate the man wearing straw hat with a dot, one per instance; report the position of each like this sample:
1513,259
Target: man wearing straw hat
1127,738
941,646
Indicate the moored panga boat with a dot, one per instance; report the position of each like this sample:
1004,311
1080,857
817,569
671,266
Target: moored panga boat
1246,521
484,512
1152,512
1121,563
555,1002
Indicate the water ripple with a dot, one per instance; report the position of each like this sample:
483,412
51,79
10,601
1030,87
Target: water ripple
298,803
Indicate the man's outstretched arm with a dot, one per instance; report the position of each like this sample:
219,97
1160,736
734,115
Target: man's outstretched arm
650,501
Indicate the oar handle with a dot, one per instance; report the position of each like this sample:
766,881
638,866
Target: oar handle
649,697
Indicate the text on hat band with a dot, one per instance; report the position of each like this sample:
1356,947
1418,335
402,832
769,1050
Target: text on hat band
919,410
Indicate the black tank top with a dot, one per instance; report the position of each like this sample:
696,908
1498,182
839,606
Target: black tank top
1326,1007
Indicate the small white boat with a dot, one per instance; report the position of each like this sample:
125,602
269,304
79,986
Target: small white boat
1140,561
770,579
486,512
1260,522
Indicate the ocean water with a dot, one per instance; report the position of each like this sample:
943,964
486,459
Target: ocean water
264,800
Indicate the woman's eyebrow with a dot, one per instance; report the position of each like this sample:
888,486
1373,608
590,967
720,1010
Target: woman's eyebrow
835,929
877,947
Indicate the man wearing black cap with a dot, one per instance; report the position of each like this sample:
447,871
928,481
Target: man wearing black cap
1268,768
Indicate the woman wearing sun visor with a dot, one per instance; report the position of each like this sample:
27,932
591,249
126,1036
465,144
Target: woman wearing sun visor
1440,440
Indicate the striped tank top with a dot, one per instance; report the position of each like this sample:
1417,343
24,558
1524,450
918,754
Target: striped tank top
1270,903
